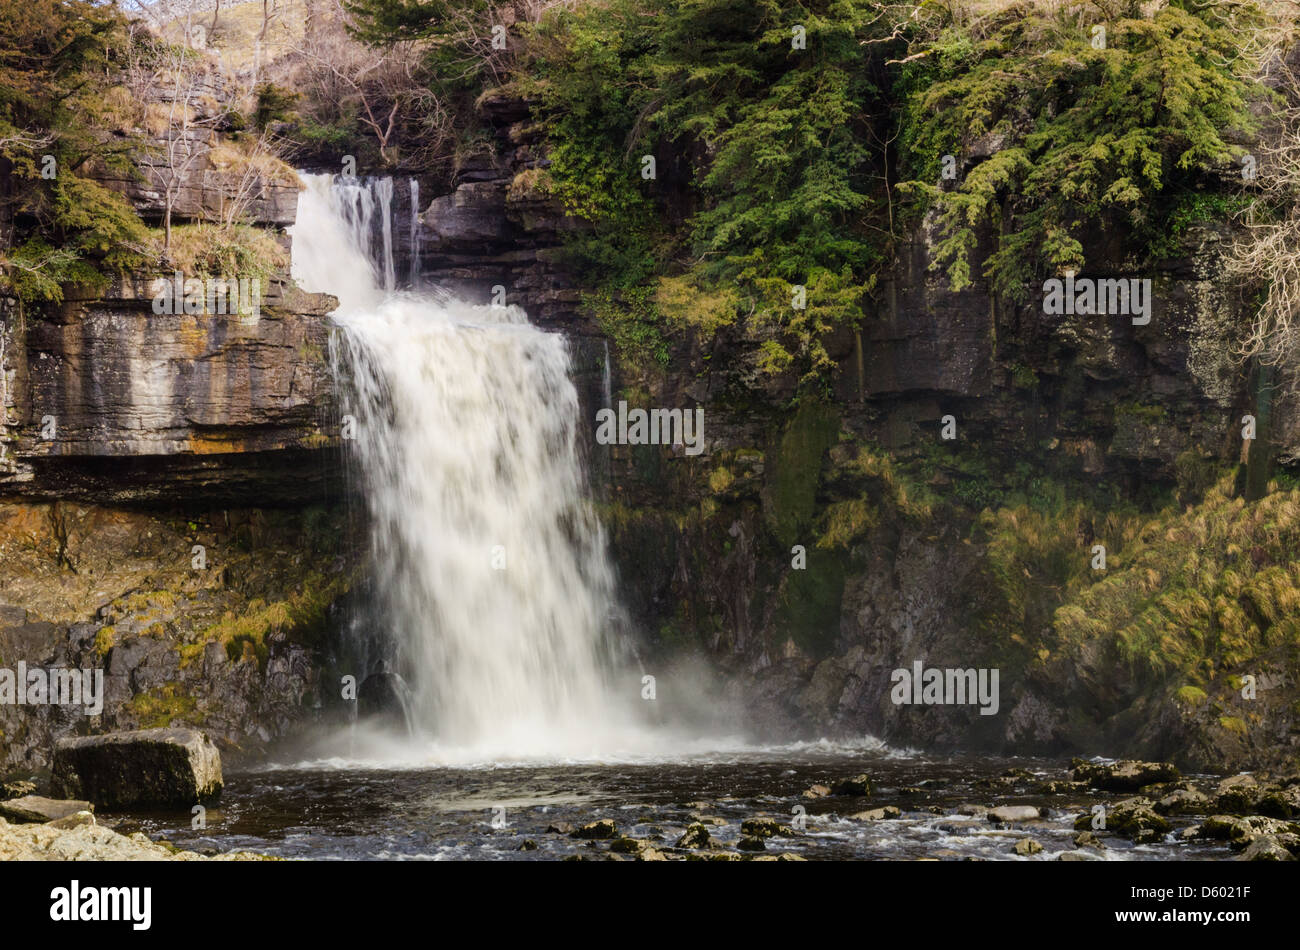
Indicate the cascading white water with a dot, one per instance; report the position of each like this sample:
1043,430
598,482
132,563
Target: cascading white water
415,232
489,559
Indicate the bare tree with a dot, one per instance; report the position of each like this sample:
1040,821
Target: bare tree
387,86
262,162
181,77
1268,255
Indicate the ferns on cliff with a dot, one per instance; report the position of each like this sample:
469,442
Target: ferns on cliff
760,122
1070,118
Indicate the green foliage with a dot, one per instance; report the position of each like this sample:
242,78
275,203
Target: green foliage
55,57
1201,591
762,149
274,104
632,322
1084,136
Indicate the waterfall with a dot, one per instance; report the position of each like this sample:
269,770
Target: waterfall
606,380
415,232
489,561
384,189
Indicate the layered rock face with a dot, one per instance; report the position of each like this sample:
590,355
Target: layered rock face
222,620
704,545
496,229
109,401
167,490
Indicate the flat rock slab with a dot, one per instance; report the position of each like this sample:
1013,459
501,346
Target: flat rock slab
36,808
150,768
1013,813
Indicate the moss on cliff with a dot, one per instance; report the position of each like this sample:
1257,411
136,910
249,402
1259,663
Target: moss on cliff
1201,591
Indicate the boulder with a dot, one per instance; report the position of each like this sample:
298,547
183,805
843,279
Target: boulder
1013,813
1183,801
35,808
696,836
1086,839
1134,818
1236,795
765,828
854,785
1266,848
597,830
1127,775
1241,832
150,768
878,814
1027,846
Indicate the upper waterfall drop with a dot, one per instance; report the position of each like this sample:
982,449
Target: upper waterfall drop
488,559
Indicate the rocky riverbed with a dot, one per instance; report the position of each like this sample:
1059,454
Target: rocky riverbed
79,837
807,802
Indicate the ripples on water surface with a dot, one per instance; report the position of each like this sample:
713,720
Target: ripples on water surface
340,809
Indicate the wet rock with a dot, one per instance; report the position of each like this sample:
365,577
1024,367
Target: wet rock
1077,856
855,785
696,836
528,845
626,845
1266,848
1014,813
751,843
962,826
1059,787
816,791
1279,801
975,811
1086,839
81,840
708,819
1134,818
559,828
1183,801
879,814
1027,846
765,828
151,768
1236,795
651,854
1127,775
597,830
1240,832
35,808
